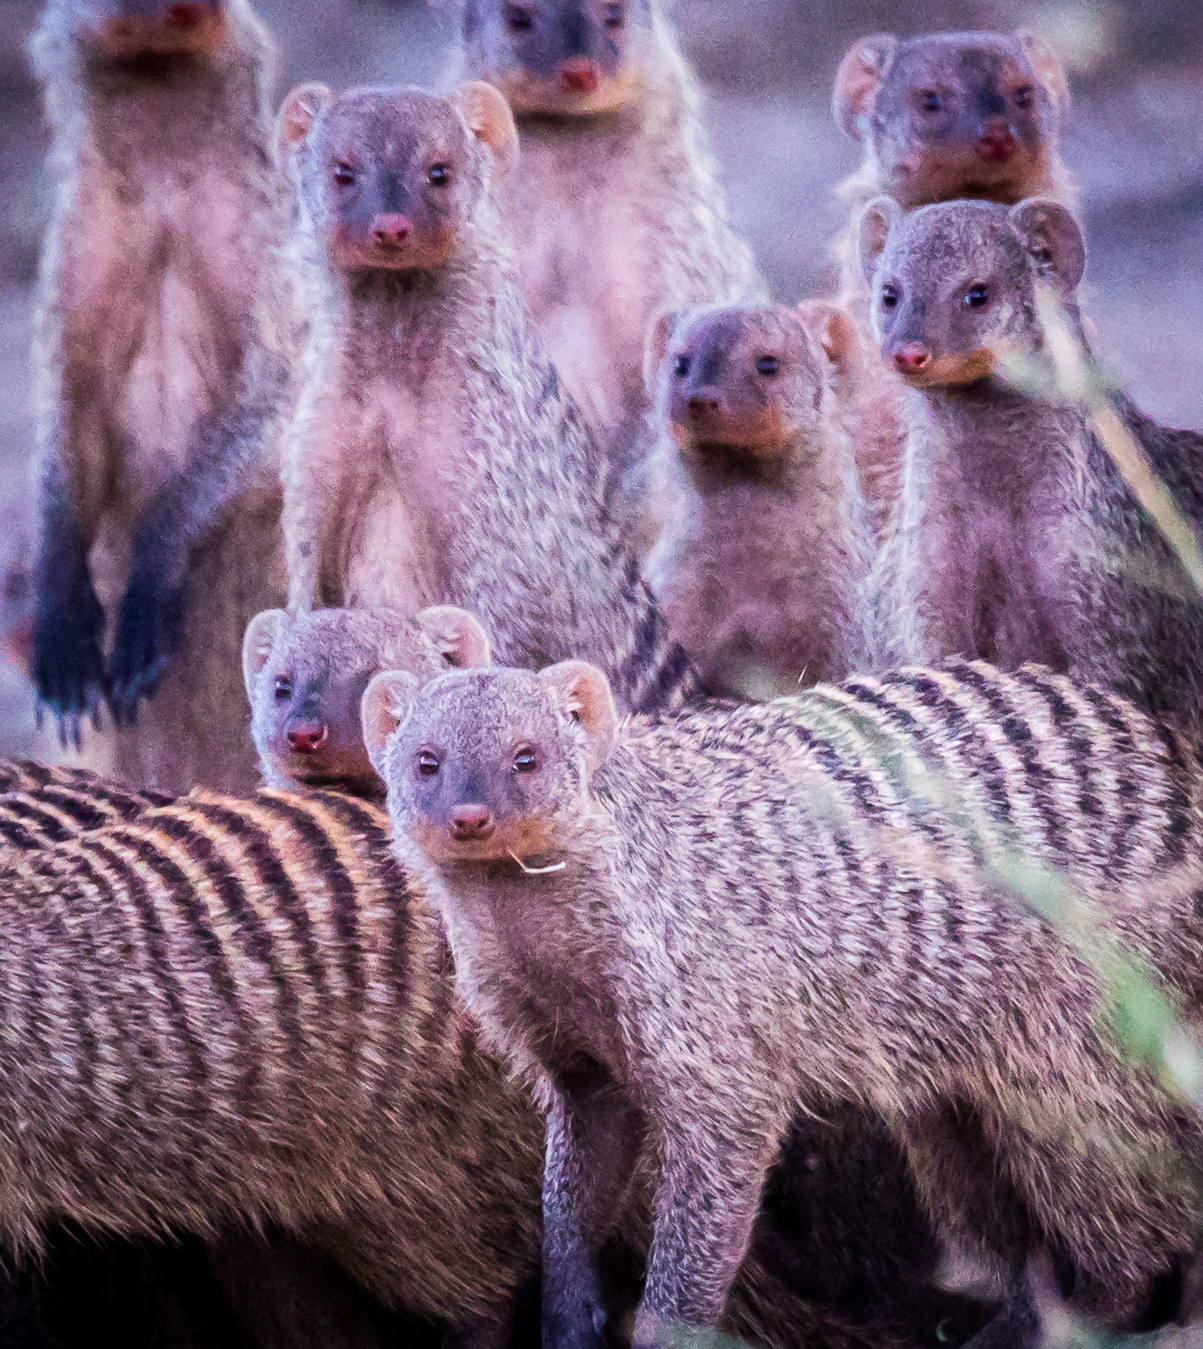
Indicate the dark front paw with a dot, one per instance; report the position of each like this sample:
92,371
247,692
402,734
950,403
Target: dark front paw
149,630
68,663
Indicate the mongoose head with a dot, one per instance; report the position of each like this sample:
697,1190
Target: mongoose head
954,286
127,30
482,765
751,381
392,179
560,58
953,115
305,677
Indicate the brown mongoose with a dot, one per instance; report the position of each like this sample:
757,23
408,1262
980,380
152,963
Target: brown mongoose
941,116
1017,538
762,565
305,678
435,456
615,202
681,930
167,213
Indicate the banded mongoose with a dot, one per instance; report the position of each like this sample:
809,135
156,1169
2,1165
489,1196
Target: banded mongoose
167,213
762,564
435,456
42,804
614,202
682,930
305,677
941,116
1017,538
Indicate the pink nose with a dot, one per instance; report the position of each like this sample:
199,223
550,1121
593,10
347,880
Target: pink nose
471,822
996,144
307,737
579,75
185,16
912,358
704,403
391,231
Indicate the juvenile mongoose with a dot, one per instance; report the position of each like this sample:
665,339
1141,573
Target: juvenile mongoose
435,456
305,678
1017,538
166,216
941,116
681,930
614,203
762,564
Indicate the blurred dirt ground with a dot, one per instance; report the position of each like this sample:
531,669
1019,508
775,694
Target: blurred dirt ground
1134,138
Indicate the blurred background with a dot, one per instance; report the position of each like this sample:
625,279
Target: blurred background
1134,138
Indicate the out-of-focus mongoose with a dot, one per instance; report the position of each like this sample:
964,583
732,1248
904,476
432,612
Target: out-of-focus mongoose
40,805
941,116
1018,539
682,930
762,564
168,211
615,203
305,678
435,456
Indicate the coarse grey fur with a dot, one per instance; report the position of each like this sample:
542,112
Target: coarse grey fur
891,892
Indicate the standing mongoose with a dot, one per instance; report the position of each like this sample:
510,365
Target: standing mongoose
305,677
682,930
941,116
615,203
434,456
762,564
168,211
1017,538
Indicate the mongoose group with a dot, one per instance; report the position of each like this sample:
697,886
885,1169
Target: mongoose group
668,704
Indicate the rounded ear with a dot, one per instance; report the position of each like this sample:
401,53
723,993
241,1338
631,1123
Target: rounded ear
1053,238
489,119
858,81
584,692
655,345
876,221
1046,65
262,633
834,332
297,115
458,635
383,707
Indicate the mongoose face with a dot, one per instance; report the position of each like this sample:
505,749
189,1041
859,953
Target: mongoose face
305,677
566,58
485,765
389,178
955,285
125,30
746,381
953,115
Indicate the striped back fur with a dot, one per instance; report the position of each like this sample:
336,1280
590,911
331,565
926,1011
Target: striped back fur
41,804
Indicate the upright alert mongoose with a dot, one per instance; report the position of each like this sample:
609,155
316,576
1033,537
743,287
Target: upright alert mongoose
682,930
941,116
762,563
435,456
614,203
167,213
1018,539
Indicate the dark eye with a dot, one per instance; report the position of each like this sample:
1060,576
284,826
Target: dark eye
681,367
976,297
283,689
524,760
1024,95
438,175
768,365
614,16
428,763
930,101
520,18
344,174
889,297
